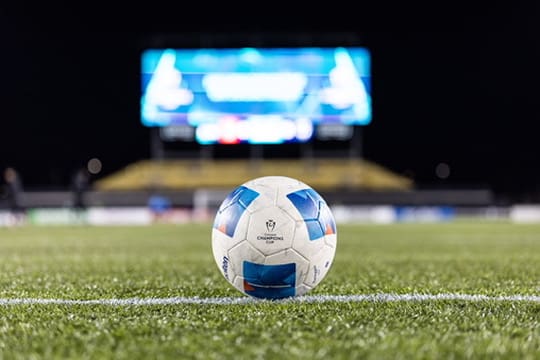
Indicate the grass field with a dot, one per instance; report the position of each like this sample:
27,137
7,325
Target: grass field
175,261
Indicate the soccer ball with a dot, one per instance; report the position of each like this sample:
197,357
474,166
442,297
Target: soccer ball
274,237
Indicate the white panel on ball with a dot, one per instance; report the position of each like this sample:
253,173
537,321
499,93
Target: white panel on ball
320,263
271,230
244,250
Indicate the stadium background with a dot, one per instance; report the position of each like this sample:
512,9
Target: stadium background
463,95
464,100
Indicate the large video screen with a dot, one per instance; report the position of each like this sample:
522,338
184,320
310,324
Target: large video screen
255,95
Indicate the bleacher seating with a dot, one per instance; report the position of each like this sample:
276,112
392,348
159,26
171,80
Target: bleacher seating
323,174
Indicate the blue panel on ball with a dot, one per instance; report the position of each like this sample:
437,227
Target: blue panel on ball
314,211
269,281
307,202
232,208
314,228
327,220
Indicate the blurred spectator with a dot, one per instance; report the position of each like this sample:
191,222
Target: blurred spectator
79,183
14,189
159,206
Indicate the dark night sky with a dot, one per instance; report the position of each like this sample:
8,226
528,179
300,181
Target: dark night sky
467,97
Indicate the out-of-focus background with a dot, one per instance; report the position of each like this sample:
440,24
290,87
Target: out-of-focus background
160,123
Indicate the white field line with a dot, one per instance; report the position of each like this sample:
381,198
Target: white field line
249,300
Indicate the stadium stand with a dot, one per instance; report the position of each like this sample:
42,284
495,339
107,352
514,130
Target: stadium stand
182,174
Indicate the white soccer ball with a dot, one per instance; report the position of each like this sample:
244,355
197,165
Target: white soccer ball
274,237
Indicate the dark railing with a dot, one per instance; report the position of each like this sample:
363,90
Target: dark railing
464,197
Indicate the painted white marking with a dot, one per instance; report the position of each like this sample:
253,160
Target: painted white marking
249,300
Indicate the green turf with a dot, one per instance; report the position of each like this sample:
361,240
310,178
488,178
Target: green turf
165,261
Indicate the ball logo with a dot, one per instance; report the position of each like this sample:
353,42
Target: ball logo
316,272
225,267
270,236
270,225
